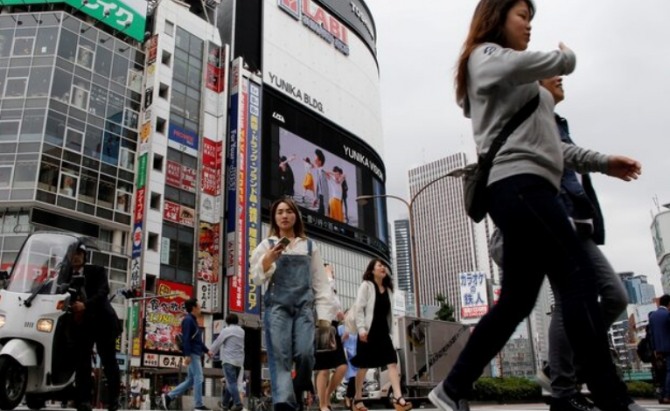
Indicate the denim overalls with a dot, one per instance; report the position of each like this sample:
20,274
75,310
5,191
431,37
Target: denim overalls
289,327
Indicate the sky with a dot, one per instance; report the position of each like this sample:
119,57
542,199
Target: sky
616,100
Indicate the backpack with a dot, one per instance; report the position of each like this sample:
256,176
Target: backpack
644,350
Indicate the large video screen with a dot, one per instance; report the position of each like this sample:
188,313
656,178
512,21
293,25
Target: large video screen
317,179
324,169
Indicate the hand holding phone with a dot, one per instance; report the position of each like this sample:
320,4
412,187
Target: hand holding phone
284,242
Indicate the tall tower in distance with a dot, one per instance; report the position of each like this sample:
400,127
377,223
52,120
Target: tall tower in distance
448,243
403,260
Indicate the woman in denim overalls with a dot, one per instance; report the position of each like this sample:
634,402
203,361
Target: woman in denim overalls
296,285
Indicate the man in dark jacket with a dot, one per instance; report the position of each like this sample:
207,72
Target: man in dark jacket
194,349
659,325
96,323
581,203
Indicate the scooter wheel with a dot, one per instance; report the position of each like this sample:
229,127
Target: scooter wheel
13,380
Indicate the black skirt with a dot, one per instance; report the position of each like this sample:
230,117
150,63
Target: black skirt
328,360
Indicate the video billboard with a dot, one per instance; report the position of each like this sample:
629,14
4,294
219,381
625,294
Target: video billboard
324,169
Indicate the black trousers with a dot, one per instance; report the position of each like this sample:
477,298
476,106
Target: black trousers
539,240
105,342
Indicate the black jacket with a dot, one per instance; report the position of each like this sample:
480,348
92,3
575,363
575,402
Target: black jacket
99,314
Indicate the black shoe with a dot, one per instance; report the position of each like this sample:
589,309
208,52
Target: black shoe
202,408
165,402
576,402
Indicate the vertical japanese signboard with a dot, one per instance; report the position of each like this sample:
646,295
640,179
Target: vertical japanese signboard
474,295
243,189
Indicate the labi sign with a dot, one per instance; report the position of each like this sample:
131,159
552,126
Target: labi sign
319,21
127,16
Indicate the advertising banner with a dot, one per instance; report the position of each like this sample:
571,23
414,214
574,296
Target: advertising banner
243,160
126,16
209,297
163,317
173,174
474,296
183,140
208,252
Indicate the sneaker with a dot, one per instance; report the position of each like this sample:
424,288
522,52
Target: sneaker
543,379
202,408
165,402
576,402
440,399
237,408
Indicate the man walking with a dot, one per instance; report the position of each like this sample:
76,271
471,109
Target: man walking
231,343
659,325
194,349
96,323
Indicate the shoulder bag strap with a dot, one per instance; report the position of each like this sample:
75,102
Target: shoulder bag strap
511,125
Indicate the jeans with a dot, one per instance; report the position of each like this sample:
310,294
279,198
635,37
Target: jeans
194,378
231,373
539,239
613,300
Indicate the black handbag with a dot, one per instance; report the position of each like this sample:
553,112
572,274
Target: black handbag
476,176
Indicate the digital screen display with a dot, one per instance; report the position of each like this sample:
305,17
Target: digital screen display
323,169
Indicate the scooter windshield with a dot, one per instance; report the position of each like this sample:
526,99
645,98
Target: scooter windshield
41,263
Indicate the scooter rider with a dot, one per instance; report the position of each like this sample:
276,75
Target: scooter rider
96,323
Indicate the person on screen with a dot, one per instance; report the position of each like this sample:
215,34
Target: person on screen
308,181
335,179
322,194
286,178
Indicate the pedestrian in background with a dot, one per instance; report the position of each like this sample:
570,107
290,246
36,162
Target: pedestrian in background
336,360
578,197
193,349
349,342
231,343
290,266
659,325
497,80
374,320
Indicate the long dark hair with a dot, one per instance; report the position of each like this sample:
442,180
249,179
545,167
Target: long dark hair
486,26
369,276
298,227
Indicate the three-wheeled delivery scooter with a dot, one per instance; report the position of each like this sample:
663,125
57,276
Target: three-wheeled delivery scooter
36,348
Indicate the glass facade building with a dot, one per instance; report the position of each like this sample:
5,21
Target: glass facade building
69,110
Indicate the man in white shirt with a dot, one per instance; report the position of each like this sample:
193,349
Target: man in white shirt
231,344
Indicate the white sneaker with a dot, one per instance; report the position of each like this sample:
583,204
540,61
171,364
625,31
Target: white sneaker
633,406
443,402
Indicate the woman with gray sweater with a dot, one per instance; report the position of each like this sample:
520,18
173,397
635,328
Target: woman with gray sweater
496,75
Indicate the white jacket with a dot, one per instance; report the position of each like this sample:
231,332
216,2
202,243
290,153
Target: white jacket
365,306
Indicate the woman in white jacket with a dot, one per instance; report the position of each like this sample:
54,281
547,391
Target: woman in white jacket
373,322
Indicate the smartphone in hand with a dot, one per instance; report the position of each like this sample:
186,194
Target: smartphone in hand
284,241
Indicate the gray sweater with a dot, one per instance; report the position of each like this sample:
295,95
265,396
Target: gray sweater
500,82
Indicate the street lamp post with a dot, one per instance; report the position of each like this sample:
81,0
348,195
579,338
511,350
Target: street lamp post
412,240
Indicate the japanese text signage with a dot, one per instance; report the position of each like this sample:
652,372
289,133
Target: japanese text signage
474,296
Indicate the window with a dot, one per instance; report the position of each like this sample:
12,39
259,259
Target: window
88,186
127,159
16,87
79,97
152,243
158,162
46,41
68,185
123,201
24,174
23,46
74,139
85,55
130,118
155,202
9,130
169,28
160,125
5,176
166,58
164,91
135,80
